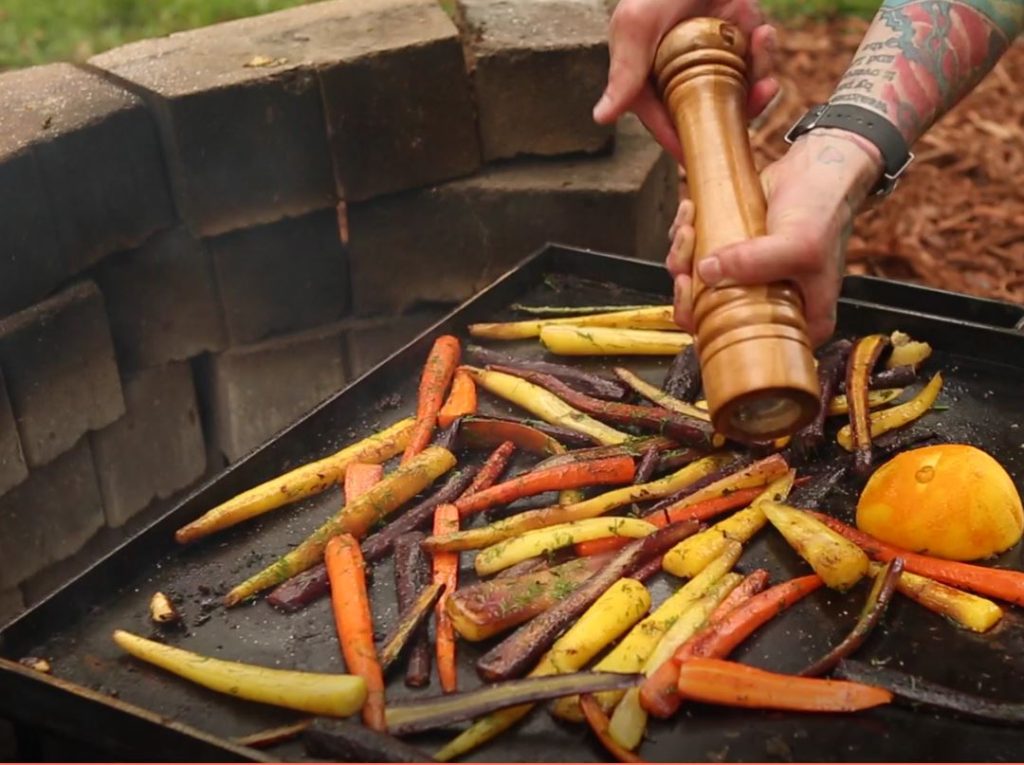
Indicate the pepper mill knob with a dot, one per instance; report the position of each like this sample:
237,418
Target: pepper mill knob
756,361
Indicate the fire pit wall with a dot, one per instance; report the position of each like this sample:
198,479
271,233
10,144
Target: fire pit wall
205,235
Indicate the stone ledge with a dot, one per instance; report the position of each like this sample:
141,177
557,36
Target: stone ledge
456,238
57,358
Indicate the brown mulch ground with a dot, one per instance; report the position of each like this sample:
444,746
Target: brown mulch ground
956,221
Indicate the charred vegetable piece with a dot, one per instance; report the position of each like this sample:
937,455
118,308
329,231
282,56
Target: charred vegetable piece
998,583
683,378
461,400
616,610
742,474
895,377
896,441
917,692
865,354
811,494
609,471
329,695
437,375
635,447
714,681
405,718
534,436
446,572
566,340
583,310
412,574
962,608
588,382
355,518
342,741
265,739
872,613
658,317
302,482
677,458
839,562
683,429
876,398
660,397
544,404
896,417
831,366
491,470
513,655
646,467
162,610
482,610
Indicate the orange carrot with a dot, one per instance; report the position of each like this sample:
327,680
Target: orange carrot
700,511
659,693
354,621
598,722
461,401
446,572
437,375
998,583
360,478
714,681
612,470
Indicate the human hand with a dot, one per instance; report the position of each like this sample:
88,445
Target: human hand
812,195
638,26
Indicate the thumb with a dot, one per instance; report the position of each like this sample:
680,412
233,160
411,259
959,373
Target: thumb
628,69
781,256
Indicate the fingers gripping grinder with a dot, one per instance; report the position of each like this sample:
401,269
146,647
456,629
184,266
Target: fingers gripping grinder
756,361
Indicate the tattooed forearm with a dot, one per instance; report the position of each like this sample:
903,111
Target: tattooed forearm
922,56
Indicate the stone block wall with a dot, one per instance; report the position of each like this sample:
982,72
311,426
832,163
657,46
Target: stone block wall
191,224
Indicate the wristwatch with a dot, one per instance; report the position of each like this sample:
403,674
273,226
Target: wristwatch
868,124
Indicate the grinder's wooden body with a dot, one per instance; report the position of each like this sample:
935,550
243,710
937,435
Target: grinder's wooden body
757,364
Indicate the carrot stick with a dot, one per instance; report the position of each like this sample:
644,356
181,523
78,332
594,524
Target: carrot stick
700,511
437,375
360,478
613,470
461,400
598,722
354,622
714,681
446,572
491,470
998,583
659,693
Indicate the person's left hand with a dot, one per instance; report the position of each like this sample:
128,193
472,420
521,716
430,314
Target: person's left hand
637,28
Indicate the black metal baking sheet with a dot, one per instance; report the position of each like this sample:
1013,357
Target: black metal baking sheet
984,370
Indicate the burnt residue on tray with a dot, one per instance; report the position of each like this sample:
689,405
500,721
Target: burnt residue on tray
986,408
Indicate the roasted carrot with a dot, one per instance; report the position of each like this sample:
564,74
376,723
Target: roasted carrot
659,693
437,375
491,470
998,583
360,478
461,400
700,512
446,572
598,722
354,621
614,470
714,681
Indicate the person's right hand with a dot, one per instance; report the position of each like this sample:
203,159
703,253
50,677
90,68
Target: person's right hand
638,26
812,194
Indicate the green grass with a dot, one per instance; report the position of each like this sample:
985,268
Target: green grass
39,31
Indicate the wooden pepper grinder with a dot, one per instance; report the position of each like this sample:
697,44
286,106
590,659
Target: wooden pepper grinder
756,361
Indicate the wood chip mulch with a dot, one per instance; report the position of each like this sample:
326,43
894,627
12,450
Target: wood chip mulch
956,221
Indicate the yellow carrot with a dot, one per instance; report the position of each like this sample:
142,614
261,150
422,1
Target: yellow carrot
568,340
302,482
656,317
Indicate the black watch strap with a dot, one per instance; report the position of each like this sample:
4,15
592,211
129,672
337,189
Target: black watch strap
868,124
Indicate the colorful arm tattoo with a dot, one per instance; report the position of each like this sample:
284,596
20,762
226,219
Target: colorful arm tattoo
920,57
